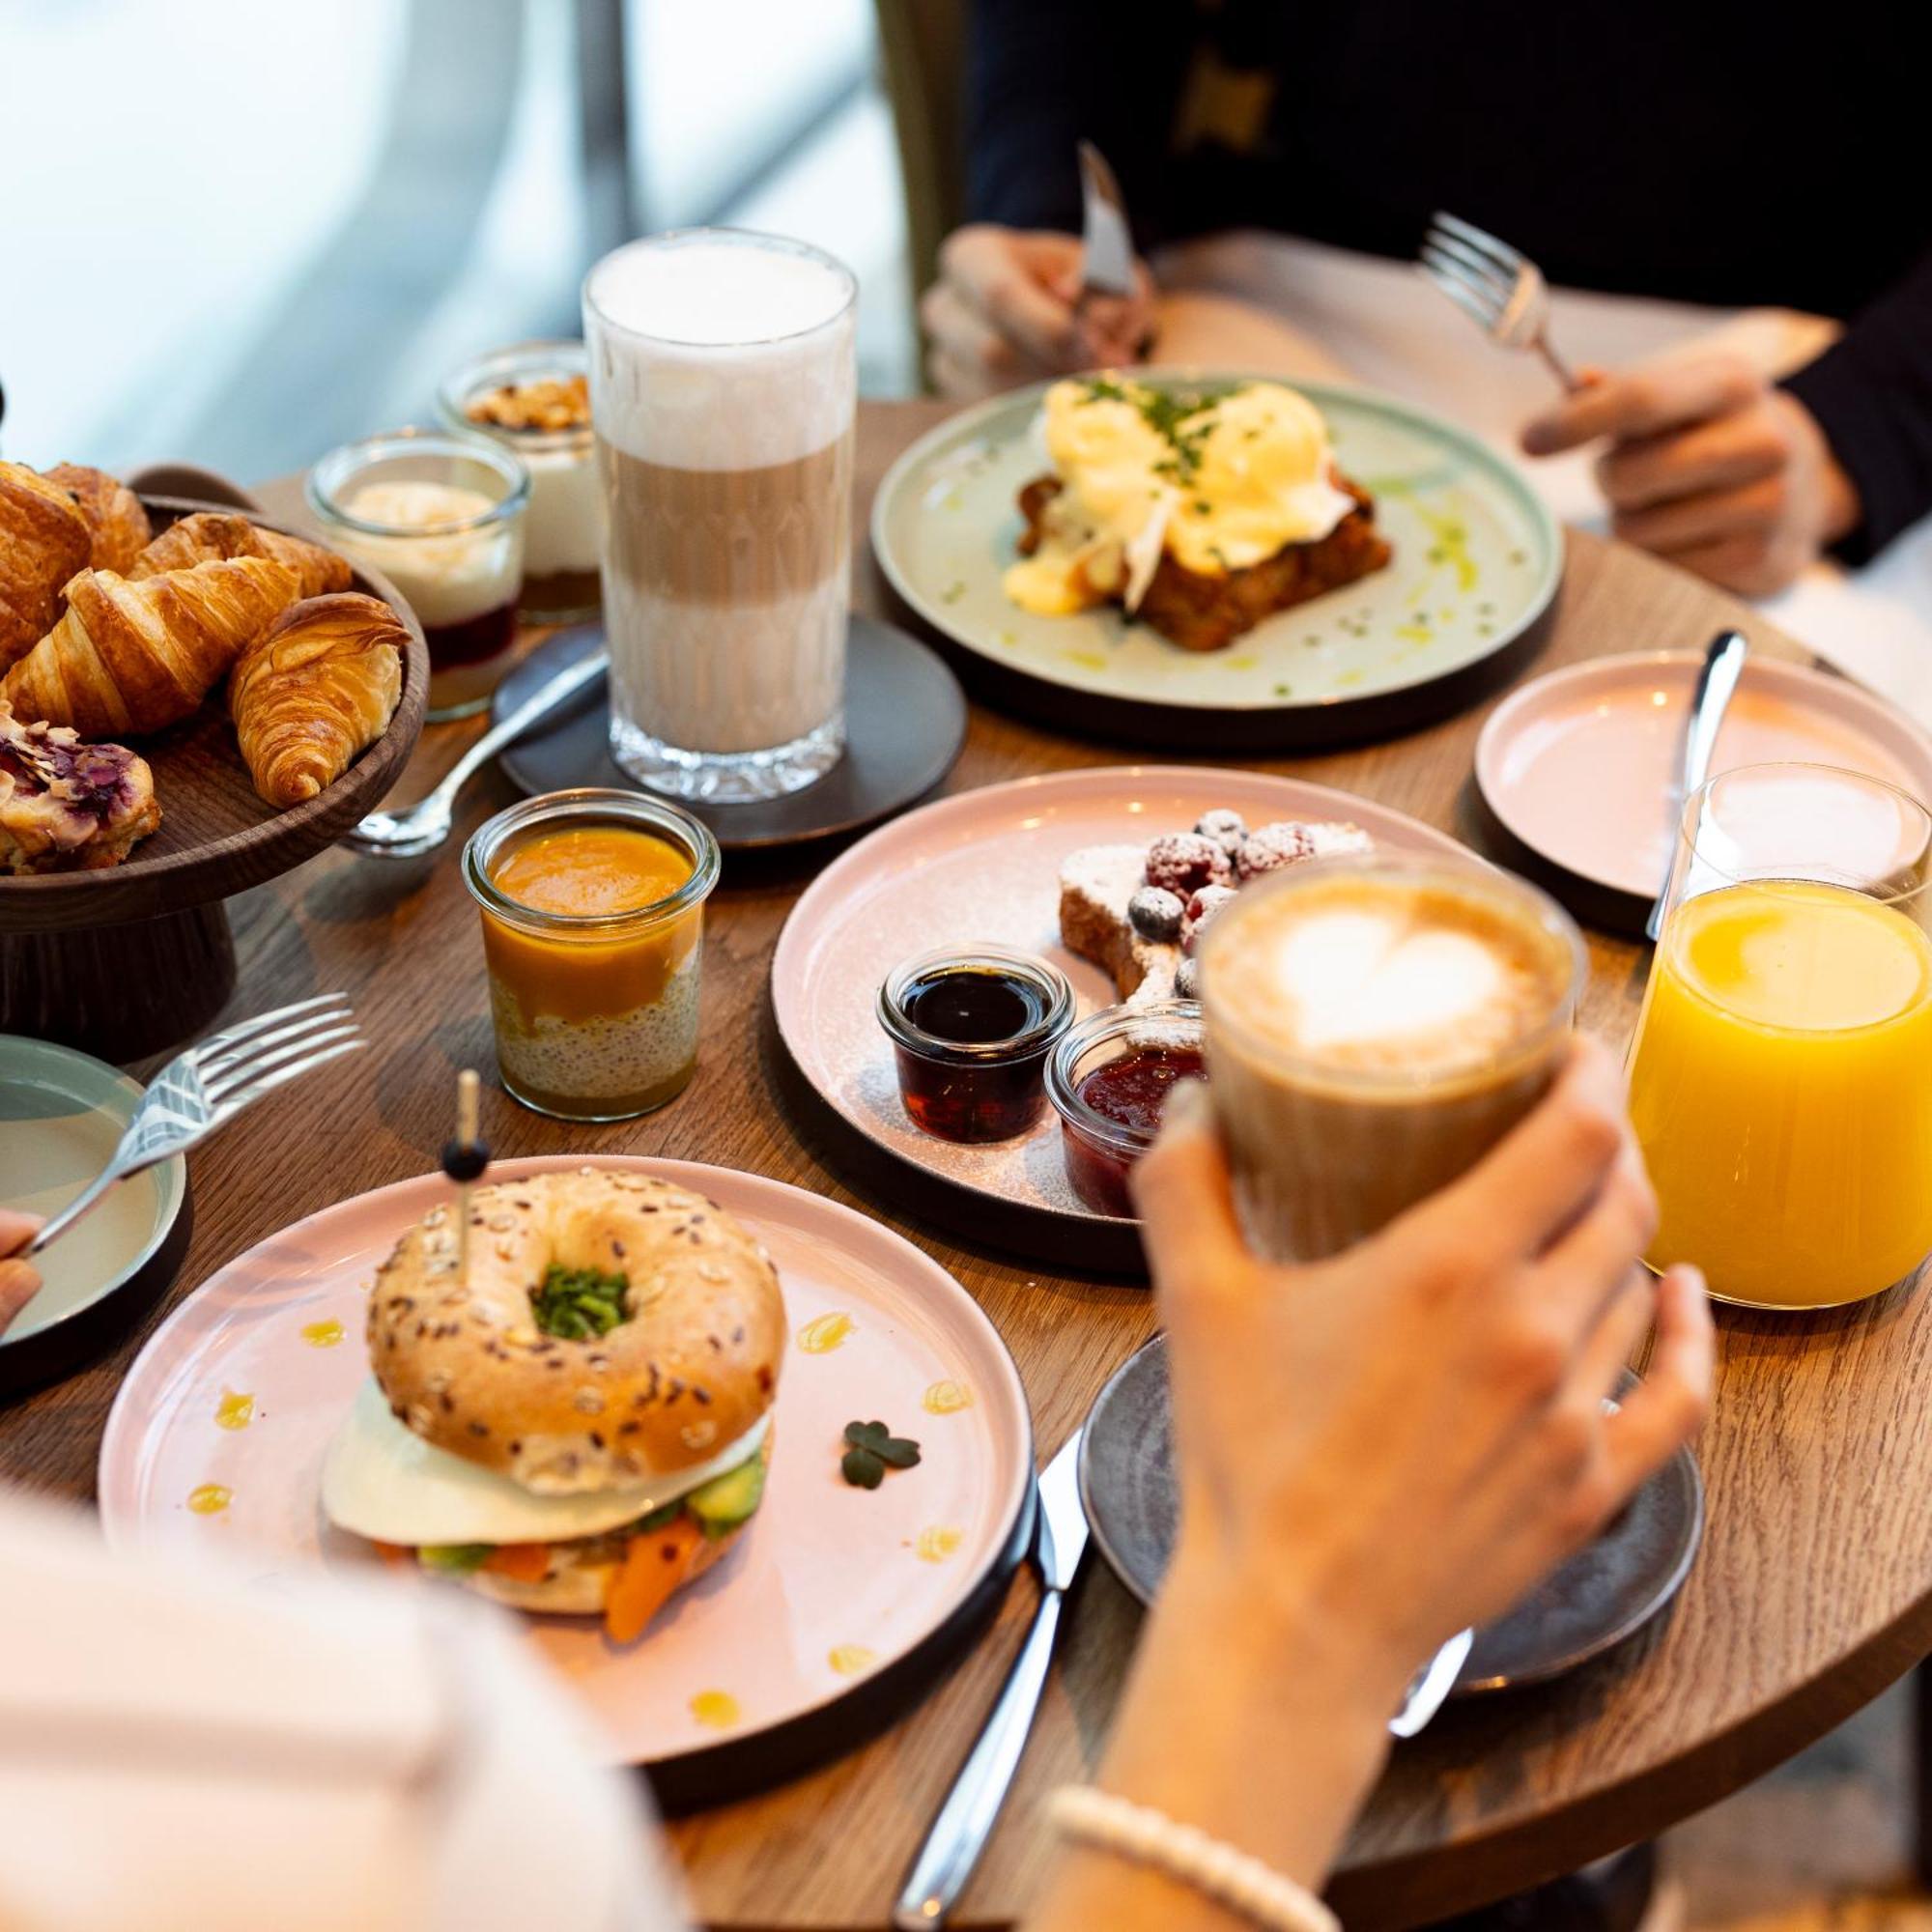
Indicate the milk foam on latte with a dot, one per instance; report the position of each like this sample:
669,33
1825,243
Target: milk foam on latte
723,384
1371,975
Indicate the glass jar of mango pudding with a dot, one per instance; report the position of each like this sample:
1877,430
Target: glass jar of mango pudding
593,918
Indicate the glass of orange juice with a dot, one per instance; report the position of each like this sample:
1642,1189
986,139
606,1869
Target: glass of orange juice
593,920
1781,1076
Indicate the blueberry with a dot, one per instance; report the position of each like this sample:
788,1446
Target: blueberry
1155,913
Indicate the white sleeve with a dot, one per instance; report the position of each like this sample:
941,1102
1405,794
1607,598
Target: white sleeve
181,1748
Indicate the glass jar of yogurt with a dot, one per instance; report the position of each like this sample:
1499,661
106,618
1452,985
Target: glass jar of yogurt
443,518
534,400
593,923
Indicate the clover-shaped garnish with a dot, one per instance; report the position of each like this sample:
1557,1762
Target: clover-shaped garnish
872,1450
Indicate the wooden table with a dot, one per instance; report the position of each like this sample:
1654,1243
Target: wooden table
1813,1591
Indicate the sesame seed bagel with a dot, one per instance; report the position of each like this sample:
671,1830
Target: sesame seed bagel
692,1367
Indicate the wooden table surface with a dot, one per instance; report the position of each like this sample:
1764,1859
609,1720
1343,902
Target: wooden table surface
1813,1589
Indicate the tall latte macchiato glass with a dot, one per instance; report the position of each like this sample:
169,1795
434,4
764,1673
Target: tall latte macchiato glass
722,383
1782,1077
1373,1027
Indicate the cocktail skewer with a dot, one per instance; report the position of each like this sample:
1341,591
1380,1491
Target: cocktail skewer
464,1160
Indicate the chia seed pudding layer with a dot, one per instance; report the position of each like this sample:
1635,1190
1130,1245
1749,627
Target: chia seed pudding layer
606,1066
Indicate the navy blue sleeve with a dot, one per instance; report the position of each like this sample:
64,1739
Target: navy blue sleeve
1871,393
1040,76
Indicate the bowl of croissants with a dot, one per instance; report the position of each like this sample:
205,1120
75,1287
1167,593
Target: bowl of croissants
192,700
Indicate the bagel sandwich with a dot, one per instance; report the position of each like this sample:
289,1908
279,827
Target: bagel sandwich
579,1420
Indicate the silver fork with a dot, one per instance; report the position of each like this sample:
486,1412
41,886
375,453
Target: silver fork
1501,288
206,1087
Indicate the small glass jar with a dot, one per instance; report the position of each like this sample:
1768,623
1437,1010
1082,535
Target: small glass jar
1108,1080
443,518
534,400
596,1013
971,1028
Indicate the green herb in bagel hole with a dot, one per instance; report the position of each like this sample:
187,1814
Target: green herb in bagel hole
579,1304
871,1449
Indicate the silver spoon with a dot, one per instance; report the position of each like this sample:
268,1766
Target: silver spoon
1723,665
422,827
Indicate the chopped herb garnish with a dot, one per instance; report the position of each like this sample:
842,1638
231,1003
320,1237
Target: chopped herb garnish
872,1450
1183,417
579,1304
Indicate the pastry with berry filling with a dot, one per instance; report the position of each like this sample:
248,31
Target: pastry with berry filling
66,807
1136,911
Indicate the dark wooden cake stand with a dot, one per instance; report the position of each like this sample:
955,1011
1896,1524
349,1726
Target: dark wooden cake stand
134,959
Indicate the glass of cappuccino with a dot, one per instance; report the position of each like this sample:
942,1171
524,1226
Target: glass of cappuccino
1373,1027
722,381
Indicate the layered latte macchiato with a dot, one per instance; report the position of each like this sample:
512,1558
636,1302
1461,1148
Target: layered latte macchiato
723,386
1374,1026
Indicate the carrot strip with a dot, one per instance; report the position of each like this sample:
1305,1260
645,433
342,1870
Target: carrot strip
522,1562
394,1552
653,1567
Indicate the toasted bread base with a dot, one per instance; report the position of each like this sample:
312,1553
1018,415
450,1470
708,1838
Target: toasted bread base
1208,613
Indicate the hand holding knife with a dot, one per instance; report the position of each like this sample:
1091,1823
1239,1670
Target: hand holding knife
1108,275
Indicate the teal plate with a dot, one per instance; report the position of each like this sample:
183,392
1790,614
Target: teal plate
1476,566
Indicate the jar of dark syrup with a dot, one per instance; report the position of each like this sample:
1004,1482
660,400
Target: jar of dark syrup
971,1028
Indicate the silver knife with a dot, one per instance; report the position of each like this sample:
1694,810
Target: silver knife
1106,242
1723,665
943,1865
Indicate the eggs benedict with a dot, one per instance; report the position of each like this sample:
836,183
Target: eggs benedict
1200,510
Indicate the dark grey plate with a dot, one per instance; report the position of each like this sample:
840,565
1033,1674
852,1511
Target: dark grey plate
905,720
1603,1595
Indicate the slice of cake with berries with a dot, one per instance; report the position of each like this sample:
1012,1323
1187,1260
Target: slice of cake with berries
1136,911
66,805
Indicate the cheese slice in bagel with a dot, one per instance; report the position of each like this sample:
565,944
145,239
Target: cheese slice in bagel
577,1420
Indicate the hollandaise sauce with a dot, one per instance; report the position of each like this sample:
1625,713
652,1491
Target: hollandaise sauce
1220,478
592,932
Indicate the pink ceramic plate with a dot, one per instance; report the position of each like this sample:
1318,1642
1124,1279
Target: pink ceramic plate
985,866
1582,765
837,1603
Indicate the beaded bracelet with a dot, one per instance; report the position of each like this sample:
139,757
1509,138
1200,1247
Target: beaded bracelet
1231,1878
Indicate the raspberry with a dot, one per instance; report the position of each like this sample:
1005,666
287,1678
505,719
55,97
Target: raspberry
1226,828
1184,861
1155,913
1187,978
1270,847
1201,908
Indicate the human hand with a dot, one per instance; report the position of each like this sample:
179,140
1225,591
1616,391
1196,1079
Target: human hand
19,1280
1709,465
1380,1450
1006,309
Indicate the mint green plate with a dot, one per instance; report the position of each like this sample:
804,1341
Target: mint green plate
1477,561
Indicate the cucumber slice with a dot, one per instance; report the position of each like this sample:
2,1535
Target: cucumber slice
726,1502
458,1557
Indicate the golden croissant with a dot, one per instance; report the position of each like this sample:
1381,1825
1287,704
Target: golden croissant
44,539
211,534
314,690
117,524
131,658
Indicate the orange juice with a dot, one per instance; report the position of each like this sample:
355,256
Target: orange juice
1782,1088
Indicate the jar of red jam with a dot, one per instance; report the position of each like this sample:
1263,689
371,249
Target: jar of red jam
1108,1080
971,1028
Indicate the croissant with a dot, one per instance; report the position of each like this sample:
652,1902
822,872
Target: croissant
315,689
44,540
210,534
131,658
115,519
